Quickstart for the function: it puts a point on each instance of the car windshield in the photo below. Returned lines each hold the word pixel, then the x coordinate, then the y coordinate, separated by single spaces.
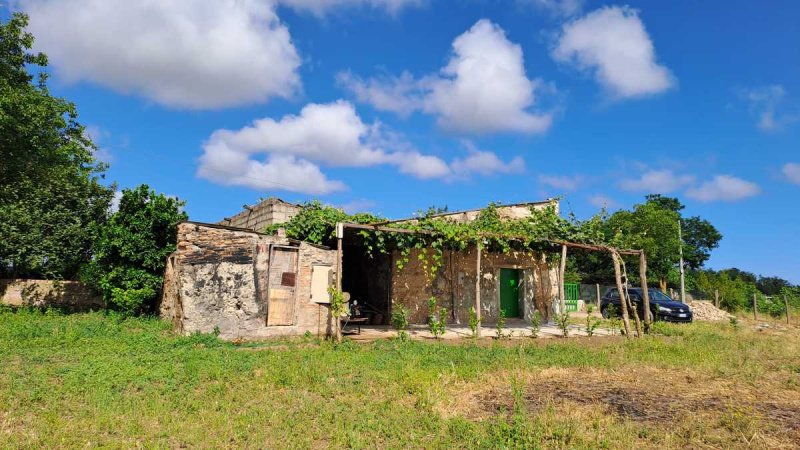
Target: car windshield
pixel 659 296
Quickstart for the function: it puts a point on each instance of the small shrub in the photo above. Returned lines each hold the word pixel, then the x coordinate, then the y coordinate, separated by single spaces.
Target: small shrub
pixel 437 319
pixel 591 322
pixel 734 322
pixel 501 324
pixel 562 322
pixel 400 321
pixel 473 322
pixel 536 324
pixel 614 322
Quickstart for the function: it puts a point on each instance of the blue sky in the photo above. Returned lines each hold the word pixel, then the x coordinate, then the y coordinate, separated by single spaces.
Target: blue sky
pixel 395 105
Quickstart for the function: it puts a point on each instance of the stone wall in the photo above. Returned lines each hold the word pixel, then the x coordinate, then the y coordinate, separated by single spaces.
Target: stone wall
pixel 217 278
pixel 70 295
pixel 266 213
pixel 454 285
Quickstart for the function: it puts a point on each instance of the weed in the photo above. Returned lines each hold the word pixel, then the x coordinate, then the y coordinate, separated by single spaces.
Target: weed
pixel 734 322
pixel 536 324
pixel 562 322
pixel 501 325
pixel 473 322
pixel 437 319
pixel 400 321
pixel 591 322
pixel 614 322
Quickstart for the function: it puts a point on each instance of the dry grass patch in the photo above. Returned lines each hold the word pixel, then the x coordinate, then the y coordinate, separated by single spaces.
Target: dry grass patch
pixel 665 407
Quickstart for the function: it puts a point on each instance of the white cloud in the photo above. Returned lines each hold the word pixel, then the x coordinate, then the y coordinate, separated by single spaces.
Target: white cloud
pixel 287 153
pixel 399 95
pixel 723 188
pixel 482 89
pixel 484 163
pixel 792 172
pixel 192 54
pixel 358 205
pixel 657 182
pixel 764 103
pixel 602 201
pixel 421 166
pixel 613 44
pixel 114 206
pixel 562 8
pixel 562 182
pixel 321 7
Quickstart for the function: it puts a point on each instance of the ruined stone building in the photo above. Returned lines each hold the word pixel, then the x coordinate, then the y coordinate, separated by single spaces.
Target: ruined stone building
pixel 250 285
pixel 258 217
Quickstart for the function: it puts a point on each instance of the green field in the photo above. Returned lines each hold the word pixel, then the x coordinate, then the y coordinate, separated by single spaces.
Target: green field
pixel 97 380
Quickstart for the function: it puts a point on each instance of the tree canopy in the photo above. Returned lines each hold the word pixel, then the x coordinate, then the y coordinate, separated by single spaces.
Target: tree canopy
pixel 51 199
pixel 131 249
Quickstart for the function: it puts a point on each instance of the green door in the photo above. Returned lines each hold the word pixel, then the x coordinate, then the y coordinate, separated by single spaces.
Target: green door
pixel 509 292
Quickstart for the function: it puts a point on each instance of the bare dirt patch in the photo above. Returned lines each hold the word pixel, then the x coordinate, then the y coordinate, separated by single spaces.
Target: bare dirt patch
pixel 664 399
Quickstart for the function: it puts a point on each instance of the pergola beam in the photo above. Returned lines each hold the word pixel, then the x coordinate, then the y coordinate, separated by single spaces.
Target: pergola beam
pixel 593 247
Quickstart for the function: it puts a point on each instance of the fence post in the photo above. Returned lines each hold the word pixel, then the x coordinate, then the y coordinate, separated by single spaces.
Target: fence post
pixel 786 305
pixel 755 307
pixel 598 294
pixel 716 298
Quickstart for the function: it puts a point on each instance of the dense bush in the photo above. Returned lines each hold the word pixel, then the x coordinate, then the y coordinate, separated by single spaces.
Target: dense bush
pixel 132 248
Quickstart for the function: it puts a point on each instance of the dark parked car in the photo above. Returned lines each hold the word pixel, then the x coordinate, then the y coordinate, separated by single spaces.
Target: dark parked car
pixel 661 306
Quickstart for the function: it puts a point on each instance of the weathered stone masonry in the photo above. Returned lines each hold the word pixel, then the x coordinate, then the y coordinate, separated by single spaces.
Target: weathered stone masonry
pixel 454 284
pixel 218 277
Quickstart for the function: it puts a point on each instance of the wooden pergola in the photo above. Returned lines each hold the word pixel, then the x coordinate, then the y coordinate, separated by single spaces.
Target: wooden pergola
pixel 627 307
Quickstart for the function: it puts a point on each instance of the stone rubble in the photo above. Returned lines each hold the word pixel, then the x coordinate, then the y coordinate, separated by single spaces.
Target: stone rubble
pixel 706 311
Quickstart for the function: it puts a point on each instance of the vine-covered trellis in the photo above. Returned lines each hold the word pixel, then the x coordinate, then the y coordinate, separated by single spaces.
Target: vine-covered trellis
pixel 543 231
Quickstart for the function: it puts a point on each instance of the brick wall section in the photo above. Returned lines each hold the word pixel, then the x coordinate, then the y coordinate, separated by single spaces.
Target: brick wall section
pixel 454 285
pixel 266 213
pixel 217 278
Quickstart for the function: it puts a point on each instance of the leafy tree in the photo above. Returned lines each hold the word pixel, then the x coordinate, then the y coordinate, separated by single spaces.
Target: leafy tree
pixel 651 228
pixel 132 248
pixel 700 237
pixel 51 199
pixel 772 285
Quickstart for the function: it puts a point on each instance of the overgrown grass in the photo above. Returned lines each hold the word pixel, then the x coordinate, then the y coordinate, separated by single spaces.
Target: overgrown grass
pixel 101 380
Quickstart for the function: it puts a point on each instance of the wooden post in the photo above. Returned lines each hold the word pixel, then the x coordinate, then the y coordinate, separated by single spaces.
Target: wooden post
pixel 645 290
pixel 334 324
pixel 597 285
pixel 786 305
pixel 622 301
pixel 562 290
pixel 716 298
pixel 755 307
pixel 478 287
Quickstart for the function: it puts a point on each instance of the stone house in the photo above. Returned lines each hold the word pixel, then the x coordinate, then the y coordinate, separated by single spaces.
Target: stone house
pixel 246 284
pixel 250 285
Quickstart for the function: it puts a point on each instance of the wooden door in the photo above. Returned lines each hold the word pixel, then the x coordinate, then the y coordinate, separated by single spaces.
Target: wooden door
pixel 509 292
pixel 282 285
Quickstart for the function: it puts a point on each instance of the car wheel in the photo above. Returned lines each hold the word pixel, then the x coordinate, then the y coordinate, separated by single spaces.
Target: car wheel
pixel 604 313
